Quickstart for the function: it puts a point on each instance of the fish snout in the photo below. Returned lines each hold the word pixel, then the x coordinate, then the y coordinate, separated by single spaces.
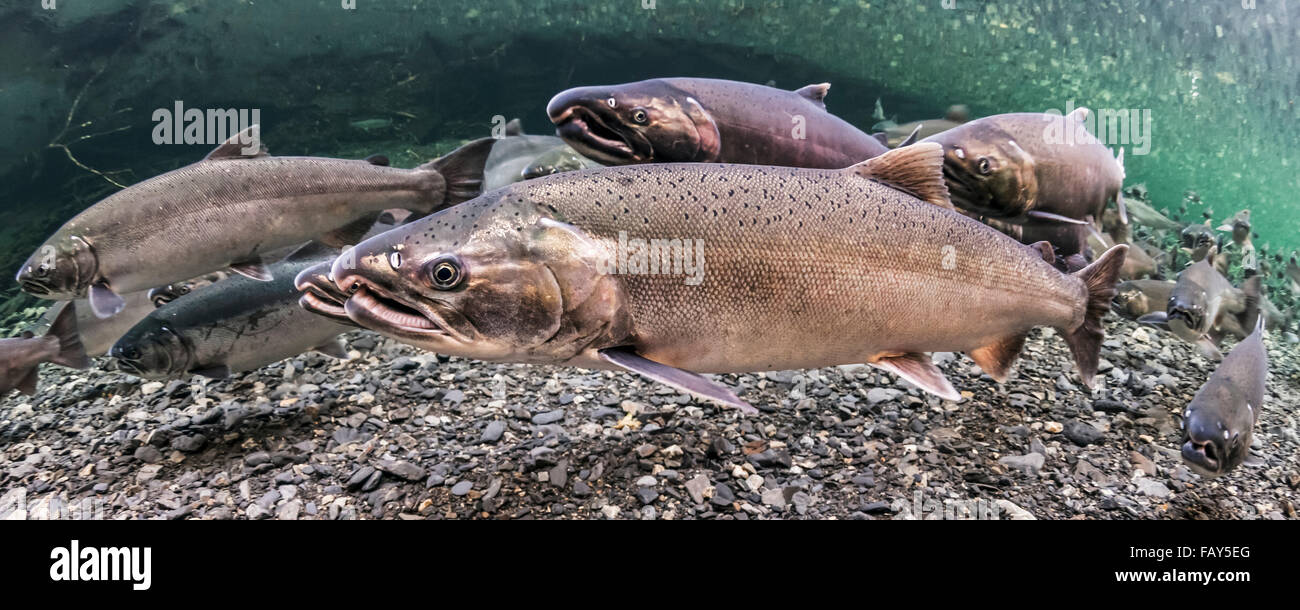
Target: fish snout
pixel 561 107
pixel 1203 454
pixel 1191 314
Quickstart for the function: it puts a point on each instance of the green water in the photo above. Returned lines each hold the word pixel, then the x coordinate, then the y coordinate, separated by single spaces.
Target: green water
pixel 1217 78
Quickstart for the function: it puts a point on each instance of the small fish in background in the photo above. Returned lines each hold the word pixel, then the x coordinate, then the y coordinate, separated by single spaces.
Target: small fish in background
pixel 21 357
pixel 1141 211
pixel 1219 423
pixel 235 325
pixel 1204 308
pixel 228 211
pixel 519 156
pixel 522 274
pixel 1137 298
pixel 1199 243
pixel 1239 226
pixel 1010 167
pixel 371 124
pixel 704 120
pixel 1138 264
pixel 902 135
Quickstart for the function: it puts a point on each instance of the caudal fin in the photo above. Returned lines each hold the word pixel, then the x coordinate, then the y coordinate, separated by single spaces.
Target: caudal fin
pixel 71 353
pixel 1100 279
pixel 463 171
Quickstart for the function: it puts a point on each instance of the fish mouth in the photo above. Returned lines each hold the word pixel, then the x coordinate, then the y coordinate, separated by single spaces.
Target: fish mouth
pixel 34 287
pixel 371 308
pixel 586 131
pixel 1203 456
pixel 1190 317
pixel 320 296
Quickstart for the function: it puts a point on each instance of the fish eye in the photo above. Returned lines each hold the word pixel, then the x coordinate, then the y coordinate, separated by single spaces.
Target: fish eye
pixel 446 273
pixel 640 116
pixel 985 166
pixel 41 270
pixel 395 259
pixel 613 103
pixel 131 353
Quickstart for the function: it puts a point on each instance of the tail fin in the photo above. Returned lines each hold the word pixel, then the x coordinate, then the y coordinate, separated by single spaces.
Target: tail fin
pixel 463 171
pixel 71 353
pixel 1100 278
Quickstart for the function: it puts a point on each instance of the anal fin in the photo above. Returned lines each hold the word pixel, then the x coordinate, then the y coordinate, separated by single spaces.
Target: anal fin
pixel 350 234
pixel 918 369
pixel 332 348
pixel 28 384
pixel 691 383
pixel 996 359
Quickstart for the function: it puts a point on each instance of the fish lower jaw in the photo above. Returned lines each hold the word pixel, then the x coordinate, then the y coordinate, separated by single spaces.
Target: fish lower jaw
pixel 1194 456
pixel 386 316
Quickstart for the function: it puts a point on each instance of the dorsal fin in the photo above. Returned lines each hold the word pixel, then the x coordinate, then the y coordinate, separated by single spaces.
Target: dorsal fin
pixel 379 160
pixel 1079 114
pixel 916 170
pixel 815 93
pixel 233 148
pixel 1043 249
pixel 515 127
pixel 912 138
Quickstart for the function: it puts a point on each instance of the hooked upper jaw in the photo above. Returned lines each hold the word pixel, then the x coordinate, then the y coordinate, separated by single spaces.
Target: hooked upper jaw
pixel 375 307
pixel 320 295
pixel 584 120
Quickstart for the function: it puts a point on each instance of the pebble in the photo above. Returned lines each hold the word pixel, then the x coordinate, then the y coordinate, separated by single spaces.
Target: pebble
pixel 696 486
pixel 1082 434
pixel 461 488
pixel 548 417
pixel 1028 464
pixel 493 431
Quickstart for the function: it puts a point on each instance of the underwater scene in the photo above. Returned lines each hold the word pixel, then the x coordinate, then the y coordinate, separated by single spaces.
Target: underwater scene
pixel 649 259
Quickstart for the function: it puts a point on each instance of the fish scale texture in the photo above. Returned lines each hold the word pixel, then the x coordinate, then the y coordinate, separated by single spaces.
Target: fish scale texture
pixel 805 268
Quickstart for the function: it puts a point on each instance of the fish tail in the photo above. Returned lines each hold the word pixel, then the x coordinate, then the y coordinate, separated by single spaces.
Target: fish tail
pixel 1100 279
pixel 71 353
pixel 462 170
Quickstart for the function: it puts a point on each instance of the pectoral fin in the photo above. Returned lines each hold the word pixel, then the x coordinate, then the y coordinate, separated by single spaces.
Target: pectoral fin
pixel 255 270
pixel 1159 319
pixel 918 369
pixel 1050 217
pixel 691 383
pixel 104 302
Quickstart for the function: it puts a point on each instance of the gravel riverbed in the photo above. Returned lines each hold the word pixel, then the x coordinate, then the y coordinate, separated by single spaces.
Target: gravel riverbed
pixel 397 433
